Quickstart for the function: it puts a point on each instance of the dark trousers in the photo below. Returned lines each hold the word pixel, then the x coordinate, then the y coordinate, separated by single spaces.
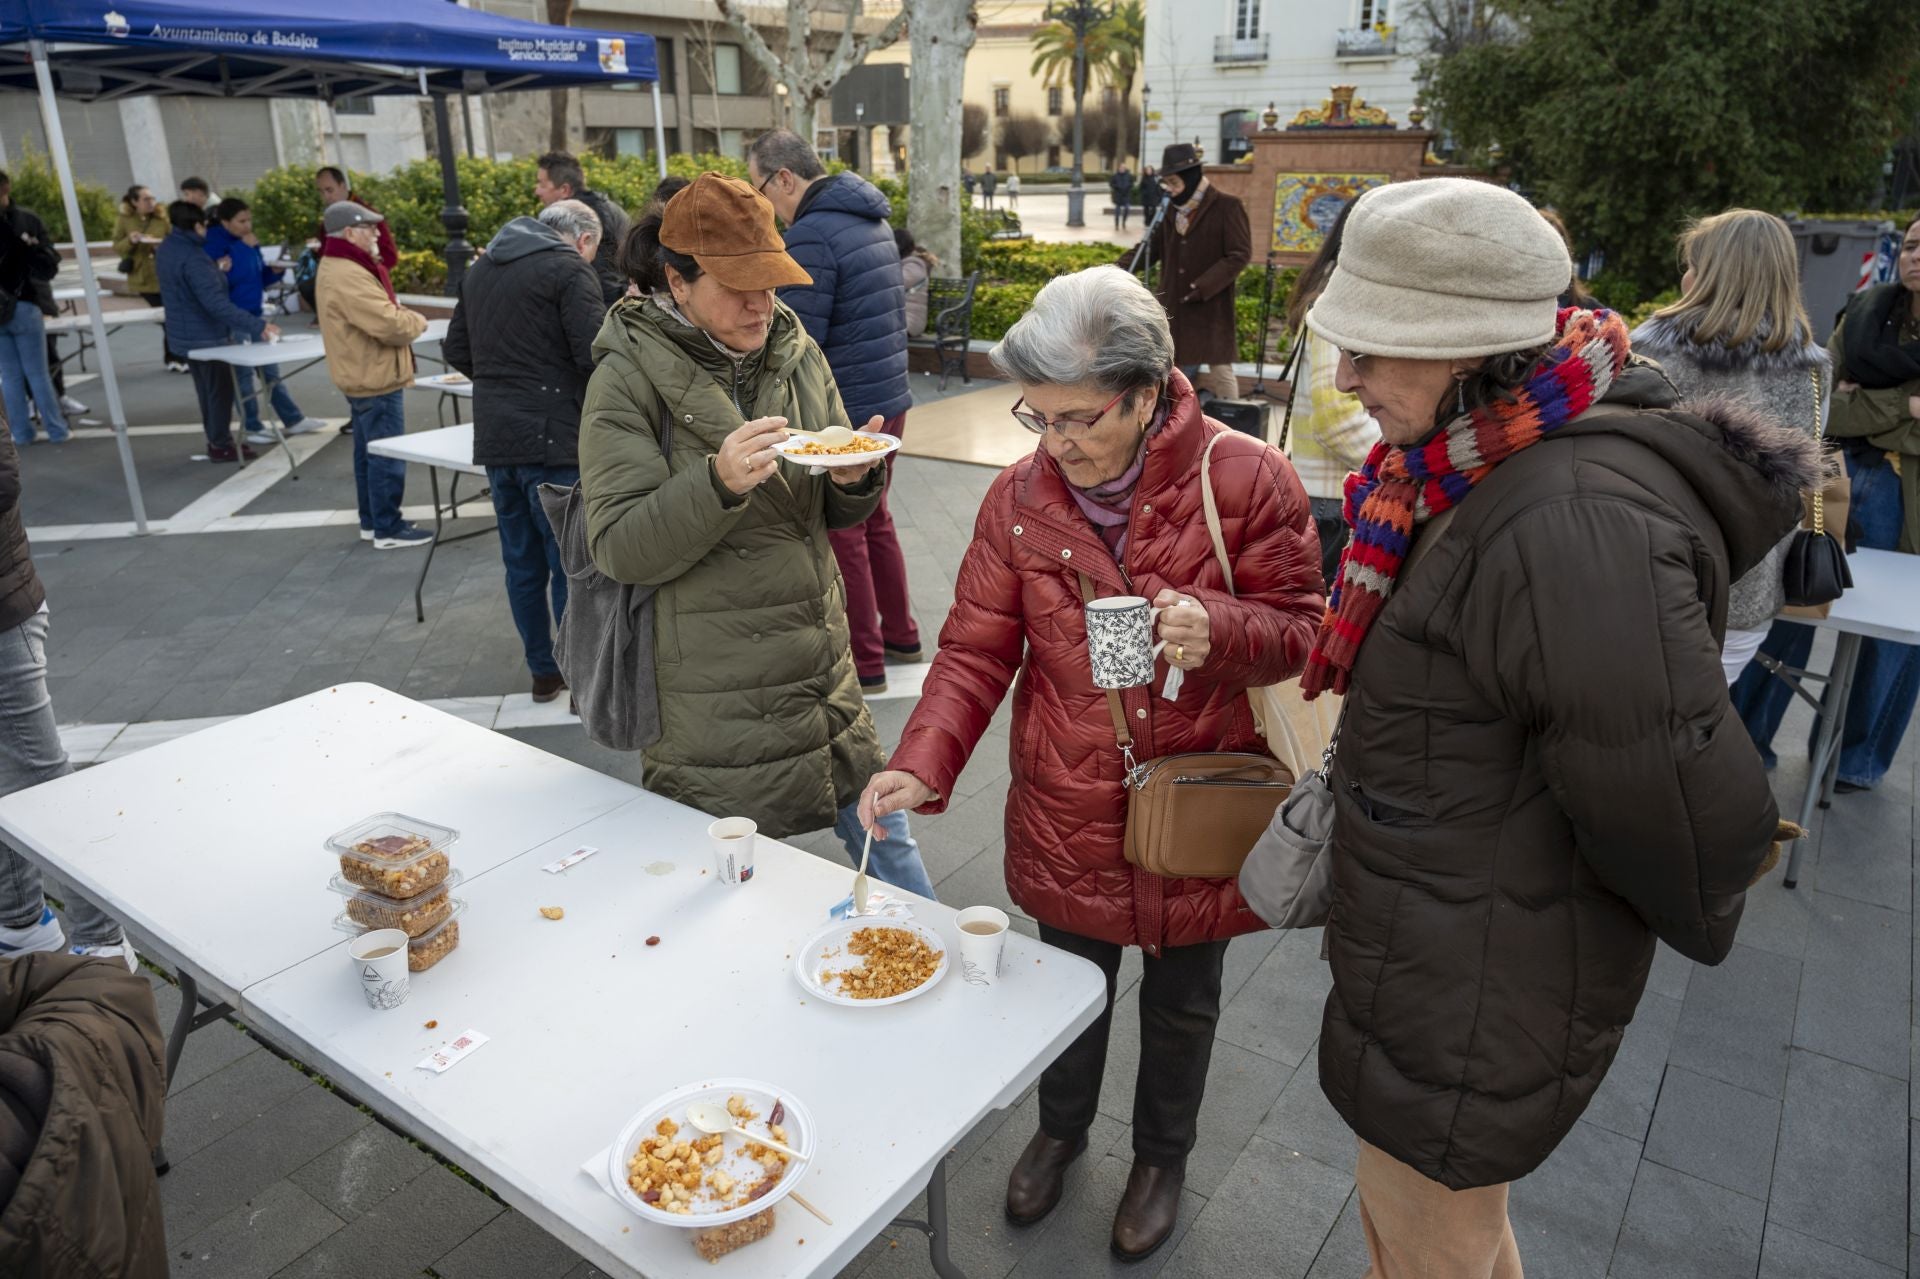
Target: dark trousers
pixel 1333 531
pixel 531 556
pixel 378 482
pixel 166 347
pixel 213 387
pixel 1179 1007
pixel 879 613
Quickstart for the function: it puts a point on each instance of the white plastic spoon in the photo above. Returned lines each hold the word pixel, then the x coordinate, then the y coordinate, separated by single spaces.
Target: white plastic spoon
pixel 832 437
pixel 860 880
pixel 712 1117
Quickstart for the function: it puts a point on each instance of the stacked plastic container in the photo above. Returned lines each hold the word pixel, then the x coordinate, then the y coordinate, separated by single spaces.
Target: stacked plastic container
pixel 397 872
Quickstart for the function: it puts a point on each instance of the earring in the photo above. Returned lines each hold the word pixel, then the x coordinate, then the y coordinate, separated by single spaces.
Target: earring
pixel 1460 397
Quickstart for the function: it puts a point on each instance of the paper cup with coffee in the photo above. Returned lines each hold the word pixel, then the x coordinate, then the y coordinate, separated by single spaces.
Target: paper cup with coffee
pixel 380 961
pixel 1120 641
pixel 732 840
pixel 983 936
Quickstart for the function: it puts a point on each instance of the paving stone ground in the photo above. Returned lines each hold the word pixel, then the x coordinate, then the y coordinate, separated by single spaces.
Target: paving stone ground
pixel 1760 1119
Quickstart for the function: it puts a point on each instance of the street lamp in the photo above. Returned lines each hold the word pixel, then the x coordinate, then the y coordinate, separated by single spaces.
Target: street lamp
pixel 1079 17
pixel 859 135
pixel 1146 93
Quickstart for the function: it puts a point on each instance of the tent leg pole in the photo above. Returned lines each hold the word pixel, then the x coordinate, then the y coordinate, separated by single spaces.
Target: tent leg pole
pixel 659 130
pixel 57 143
pixel 339 148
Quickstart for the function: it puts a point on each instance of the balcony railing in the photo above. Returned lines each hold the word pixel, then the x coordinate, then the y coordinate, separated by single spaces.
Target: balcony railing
pixel 1240 48
pixel 1364 42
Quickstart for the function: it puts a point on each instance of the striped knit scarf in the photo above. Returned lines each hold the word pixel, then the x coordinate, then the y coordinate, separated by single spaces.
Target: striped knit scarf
pixel 1400 489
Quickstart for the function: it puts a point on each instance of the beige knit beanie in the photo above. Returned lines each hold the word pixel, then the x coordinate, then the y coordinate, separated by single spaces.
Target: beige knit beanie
pixel 1442 269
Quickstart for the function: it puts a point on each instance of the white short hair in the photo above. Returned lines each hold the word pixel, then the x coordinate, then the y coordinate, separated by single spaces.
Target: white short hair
pixel 1100 326
pixel 571 219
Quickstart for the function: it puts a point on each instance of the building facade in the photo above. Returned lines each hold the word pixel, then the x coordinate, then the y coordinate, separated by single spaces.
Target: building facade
pixel 1213 67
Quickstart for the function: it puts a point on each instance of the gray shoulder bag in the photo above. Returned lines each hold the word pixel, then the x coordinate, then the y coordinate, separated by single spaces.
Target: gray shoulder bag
pixel 604 646
pixel 1288 877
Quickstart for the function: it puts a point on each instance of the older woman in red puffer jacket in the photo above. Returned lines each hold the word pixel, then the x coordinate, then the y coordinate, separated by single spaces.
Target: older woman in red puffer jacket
pixel 1113 491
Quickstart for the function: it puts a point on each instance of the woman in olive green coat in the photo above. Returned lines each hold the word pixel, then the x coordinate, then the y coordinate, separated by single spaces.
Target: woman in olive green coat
pixel 761 713
pixel 137 233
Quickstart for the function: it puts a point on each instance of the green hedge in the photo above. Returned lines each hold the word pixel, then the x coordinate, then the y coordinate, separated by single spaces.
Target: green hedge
pixel 36 187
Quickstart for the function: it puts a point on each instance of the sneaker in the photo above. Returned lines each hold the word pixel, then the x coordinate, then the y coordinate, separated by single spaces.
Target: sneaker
pixel 261 437
pixel 904 656
pixel 46 935
pixel 306 426
pixel 873 685
pixel 121 950
pixel 404 536
pixel 215 453
pixel 179 366
pixel 346 427
pixel 71 405
pixel 366 535
pixel 548 687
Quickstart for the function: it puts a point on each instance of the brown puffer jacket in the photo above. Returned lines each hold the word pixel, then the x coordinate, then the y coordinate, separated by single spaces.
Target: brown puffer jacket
pixel 83 1084
pixel 1539 773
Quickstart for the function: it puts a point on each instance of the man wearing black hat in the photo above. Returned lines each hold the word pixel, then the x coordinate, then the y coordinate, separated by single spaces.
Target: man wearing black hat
pixel 1201 246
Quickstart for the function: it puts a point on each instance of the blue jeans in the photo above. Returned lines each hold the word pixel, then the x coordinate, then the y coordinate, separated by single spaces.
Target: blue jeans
pixel 378 482
pixel 532 556
pixel 283 404
pixel 1887 682
pixel 23 368
pixel 31 753
pixel 895 859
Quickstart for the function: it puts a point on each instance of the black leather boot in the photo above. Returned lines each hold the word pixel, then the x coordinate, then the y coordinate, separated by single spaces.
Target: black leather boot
pixel 1147 1211
pixel 1034 1185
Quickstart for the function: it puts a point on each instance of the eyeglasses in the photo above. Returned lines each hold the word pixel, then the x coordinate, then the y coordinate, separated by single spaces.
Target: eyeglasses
pixel 1353 357
pixel 762 188
pixel 1067 428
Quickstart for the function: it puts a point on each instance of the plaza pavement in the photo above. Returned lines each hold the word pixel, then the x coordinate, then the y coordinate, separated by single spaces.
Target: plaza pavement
pixel 1759 1121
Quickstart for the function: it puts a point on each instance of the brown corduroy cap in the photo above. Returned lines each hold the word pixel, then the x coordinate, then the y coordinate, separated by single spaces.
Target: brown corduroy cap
pixel 727 227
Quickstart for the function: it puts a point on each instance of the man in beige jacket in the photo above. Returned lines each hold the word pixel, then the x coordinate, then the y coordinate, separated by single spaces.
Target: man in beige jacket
pixel 369 339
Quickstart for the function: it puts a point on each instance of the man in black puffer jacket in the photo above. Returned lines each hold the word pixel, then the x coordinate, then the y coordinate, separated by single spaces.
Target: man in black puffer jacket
pixel 855 311
pixel 561 178
pixel 523 330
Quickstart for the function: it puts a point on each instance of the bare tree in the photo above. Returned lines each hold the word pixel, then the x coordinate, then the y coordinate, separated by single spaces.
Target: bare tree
pixel 700 51
pixel 1023 134
pixel 973 130
pixel 940 37
pixel 808 73
pixel 559 14
pixel 1110 132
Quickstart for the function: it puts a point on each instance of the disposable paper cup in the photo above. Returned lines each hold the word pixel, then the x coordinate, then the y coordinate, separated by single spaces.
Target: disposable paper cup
pixel 732 840
pixel 983 936
pixel 380 961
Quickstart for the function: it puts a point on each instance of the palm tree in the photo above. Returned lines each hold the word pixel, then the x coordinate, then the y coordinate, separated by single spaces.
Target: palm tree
pixel 1114 50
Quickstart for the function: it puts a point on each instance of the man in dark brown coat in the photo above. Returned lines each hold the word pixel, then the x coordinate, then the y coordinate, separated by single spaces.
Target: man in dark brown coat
pixel 1200 247
pixel 83 1093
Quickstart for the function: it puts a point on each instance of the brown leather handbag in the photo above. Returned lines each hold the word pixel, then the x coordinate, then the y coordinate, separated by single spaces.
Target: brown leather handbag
pixel 1195 814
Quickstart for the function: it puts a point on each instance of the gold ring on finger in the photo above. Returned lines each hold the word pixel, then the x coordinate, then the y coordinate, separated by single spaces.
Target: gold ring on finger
pixel 1179 652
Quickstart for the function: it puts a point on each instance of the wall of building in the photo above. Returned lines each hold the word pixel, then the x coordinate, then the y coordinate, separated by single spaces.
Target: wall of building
pixel 1204 60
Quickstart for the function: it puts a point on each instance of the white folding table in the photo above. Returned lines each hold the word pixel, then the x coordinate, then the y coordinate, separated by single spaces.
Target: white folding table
pixel 1883 604
pixel 303 345
pixel 586 1021
pixel 450 393
pixel 448 449
pixel 219 875
pixel 79 324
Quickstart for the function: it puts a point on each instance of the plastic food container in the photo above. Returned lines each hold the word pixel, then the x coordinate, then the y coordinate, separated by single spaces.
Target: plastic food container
pixel 412 915
pixel 393 854
pixel 431 946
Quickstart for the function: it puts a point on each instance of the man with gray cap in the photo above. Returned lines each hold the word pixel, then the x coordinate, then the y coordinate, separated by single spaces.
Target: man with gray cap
pixel 523 330
pixel 369 342
pixel 1201 246
pixel 1538 773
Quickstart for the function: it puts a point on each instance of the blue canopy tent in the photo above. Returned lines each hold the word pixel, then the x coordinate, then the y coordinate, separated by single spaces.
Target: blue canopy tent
pixel 103 49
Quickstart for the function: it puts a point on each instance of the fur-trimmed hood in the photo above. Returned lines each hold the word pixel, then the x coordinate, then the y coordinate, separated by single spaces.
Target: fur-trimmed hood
pixel 1748 469
pixel 1669 337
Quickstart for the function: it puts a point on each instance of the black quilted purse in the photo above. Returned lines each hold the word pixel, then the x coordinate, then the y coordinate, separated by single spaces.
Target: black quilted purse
pixel 1815 572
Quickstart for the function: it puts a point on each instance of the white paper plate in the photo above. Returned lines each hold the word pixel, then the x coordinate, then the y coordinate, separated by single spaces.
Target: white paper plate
pixel 801 1135
pixel 787 446
pixel 447 379
pixel 828 949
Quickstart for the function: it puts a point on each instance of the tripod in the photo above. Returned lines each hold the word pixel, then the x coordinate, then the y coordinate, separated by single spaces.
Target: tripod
pixel 1144 252
pixel 1266 318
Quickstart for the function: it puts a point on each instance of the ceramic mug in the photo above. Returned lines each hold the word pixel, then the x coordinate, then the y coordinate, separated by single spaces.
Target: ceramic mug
pixel 1120 641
